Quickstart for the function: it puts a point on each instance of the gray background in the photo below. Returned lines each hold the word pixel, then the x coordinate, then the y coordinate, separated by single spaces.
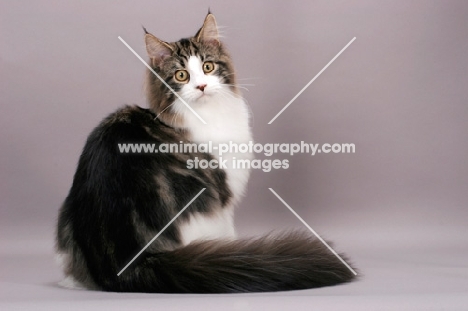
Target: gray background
pixel 397 207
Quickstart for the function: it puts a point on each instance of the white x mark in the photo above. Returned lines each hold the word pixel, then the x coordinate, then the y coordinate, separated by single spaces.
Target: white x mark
pixel 313 231
pixel 310 82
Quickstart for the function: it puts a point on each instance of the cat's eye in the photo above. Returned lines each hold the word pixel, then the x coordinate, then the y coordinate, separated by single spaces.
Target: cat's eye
pixel 208 67
pixel 181 75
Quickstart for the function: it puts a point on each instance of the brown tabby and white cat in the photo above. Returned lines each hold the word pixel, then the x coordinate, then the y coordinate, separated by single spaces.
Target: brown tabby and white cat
pixel 118 202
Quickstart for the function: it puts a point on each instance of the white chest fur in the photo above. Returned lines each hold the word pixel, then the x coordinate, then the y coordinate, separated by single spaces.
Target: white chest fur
pixel 227 120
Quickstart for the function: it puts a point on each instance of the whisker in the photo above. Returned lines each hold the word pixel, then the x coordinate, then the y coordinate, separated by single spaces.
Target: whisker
pixel 238 79
pixel 250 112
pixel 164 110
pixel 248 78
pixel 227 75
pixel 237 85
pixel 226 93
pixel 174 118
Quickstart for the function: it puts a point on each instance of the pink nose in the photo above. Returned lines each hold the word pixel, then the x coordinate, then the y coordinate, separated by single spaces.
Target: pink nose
pixel 201 87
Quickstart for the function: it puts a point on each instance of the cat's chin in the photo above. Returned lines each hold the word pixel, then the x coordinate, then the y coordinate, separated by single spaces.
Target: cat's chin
pixel 203 98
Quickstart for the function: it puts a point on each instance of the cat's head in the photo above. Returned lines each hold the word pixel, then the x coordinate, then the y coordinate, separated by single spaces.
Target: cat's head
pixel 197 68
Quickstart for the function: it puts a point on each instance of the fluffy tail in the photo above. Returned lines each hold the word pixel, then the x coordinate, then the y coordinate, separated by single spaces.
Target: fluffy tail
pixel 289 261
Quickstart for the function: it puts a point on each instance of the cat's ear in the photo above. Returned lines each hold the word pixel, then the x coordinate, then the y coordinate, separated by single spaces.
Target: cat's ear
pixel 157 49
pixel 209 31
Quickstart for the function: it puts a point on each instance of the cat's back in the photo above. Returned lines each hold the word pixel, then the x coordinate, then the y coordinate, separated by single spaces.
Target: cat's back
pixel 127 135
pixel 130 125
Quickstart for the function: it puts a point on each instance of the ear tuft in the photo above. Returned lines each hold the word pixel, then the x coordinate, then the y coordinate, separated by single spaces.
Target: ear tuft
pixel 209 30
pixel 157 50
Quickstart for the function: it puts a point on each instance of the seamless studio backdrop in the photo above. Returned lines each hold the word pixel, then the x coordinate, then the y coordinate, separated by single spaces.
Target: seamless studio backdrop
pixel 397 206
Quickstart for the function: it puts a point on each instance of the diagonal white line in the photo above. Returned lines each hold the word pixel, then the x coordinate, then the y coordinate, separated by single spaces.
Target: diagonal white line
pixel 160 232
pixel 162 80
pixel 313 231
pixel 313 79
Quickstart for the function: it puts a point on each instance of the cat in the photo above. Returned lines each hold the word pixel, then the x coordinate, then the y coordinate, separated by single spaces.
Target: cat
pixel 118 202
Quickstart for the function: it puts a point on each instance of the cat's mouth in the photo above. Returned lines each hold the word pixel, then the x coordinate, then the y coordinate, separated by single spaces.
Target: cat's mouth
pixel 202 96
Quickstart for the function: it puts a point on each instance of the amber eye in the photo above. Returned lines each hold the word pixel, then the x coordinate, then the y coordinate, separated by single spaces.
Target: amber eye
pixel 208 67
pixel 181 75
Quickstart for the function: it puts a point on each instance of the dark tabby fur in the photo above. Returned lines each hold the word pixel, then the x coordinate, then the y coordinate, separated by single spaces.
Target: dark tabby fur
pixel 119 202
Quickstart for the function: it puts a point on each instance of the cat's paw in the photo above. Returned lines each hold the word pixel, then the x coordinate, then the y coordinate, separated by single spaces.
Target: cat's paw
pixel 70 283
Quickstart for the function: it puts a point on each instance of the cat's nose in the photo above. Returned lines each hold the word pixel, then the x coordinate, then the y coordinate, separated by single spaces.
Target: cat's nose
pixel 201 87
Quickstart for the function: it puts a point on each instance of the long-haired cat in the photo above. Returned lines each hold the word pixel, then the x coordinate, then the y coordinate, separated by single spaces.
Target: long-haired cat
pixel 118 202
